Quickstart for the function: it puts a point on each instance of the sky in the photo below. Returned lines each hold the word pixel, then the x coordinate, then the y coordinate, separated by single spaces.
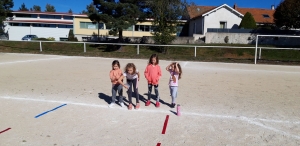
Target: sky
pixel 78 5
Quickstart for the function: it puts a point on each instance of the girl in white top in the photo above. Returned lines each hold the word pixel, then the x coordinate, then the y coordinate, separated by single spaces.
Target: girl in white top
pixel 175 74
pixel 133 76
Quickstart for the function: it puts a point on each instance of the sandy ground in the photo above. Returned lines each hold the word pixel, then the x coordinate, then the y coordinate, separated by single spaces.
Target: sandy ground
pixel 222 104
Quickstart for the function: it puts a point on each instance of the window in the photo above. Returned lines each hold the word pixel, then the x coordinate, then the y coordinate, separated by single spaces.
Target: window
pixel 44 25
pixel 24 15
pixel 68 17
pixel 65 26
pixel 20 24
pixel 50 16
pixel 146 28
pixel 90 25
pixel 266 16
pixel 223 24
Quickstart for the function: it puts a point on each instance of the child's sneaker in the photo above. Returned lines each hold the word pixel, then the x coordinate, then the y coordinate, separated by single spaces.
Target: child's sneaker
pixel 130 107
pixel 173 105
pixel 148 103
pixel 111 105
pixel 122 104
pixel 137 106
pixel 157 104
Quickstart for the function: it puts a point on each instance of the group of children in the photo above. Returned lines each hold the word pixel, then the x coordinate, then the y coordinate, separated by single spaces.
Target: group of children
pixel 152 74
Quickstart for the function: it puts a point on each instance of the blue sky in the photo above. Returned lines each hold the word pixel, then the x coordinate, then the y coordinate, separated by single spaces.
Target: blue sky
pixel 79 5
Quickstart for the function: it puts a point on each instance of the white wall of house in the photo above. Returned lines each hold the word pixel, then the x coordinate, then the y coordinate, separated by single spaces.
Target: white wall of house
pixel 222 15
pixel 18 32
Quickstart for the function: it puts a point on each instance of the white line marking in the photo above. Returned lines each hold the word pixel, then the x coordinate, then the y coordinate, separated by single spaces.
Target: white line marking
pixel 33 60
pixel 240 118
pixel 185 63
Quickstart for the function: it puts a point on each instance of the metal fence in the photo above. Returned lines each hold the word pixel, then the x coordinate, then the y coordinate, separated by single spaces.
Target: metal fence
pixel 257 52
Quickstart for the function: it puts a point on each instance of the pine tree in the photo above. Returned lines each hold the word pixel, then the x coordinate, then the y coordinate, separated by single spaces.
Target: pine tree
pixel 50 8
pixel 36 8
pixel 5 11
pixel 70 11
pixel 118 15
pixel 23 8
pixel 248 22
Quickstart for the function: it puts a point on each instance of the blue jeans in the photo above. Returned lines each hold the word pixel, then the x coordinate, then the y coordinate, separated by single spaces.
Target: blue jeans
pixel 117 88
pixel 173 92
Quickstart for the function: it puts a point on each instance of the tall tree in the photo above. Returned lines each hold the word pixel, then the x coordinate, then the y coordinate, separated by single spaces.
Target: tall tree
pixel 23 8
pixel 89 9
pixel 36 8
pixel 166 15
pixel 287 14
pixel 118 15
pixel 5 11
pixel 248 22
pixel 70 11
pixel 50 8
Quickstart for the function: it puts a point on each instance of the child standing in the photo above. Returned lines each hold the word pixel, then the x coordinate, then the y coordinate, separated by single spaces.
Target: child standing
pixel 114 75
pixel 152 74
pixel 133 76
pixel 175 74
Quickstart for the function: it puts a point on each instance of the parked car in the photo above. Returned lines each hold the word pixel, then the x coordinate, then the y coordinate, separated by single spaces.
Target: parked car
pixel 29 37
pixel 3 36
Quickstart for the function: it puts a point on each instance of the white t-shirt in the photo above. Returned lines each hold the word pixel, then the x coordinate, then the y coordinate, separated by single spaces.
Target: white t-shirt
pixel 176 75
pixel 131 76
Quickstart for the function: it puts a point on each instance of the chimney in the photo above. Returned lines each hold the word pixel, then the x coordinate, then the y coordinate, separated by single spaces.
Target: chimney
pixel 235 6
pixel 272 7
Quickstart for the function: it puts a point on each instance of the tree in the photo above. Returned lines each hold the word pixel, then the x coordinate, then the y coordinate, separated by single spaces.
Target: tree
pixel 248 22
pixel 71 36
pixel 5 11
pixel 50 8
pixel 118 15
pixel 70 11
pixel 89 9
pixel 23 8
pixel 166 15
pixel 287 14
pixel 35 8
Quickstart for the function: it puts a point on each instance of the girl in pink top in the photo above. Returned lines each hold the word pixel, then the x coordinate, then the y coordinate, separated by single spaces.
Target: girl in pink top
pixel 153 74
pixel 175 74
pixel 114 75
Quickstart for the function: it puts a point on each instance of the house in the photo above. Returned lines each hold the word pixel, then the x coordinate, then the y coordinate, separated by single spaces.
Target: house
pixel 42 24
pixel 85 30
pixel 224 17
pixel 203 17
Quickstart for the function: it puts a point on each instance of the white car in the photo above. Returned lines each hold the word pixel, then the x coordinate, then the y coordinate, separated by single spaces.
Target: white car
pixel 29 37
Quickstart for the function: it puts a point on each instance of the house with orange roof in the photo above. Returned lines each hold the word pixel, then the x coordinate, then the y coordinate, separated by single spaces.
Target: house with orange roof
pixel 223 17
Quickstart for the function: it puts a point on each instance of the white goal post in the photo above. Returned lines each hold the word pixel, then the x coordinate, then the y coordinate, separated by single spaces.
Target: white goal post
pixel 256 43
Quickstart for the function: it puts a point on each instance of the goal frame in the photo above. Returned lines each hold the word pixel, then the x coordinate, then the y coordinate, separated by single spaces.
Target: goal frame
pixel 256 43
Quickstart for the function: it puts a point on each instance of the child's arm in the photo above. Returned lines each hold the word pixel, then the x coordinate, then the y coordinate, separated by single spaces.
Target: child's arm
pixel 120 82
pixel 168 67
pixel 111 76
pixel 138 76
pixel 146 73
pixel 177 69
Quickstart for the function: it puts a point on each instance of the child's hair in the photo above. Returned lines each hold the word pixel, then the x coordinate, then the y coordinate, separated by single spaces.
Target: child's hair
pixel 180 70
pixel 130 65
pixel 153 56
pixel 115 62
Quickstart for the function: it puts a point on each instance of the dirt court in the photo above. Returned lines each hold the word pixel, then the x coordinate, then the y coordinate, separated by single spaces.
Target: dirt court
pixel 222 104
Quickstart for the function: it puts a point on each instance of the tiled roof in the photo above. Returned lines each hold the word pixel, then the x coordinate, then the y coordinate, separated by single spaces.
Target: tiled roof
pixel 258 14
pixel 36 12
pixel 195 11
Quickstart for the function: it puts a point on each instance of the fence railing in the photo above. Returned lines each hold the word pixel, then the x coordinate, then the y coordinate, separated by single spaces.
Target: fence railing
pixel 257 53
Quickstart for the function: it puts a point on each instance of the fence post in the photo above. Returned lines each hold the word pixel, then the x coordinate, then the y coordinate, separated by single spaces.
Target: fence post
pixel 41 49
pixel 259 56
pixel 138 50
pixel 84 47
pixel 195 51
pixel 255 55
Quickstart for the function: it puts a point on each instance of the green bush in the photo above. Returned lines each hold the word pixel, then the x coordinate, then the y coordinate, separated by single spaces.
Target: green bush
pixel 248 22
pixel 51 39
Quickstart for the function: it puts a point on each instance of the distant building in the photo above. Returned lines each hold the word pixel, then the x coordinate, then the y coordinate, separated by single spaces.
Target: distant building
pixel 42 24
